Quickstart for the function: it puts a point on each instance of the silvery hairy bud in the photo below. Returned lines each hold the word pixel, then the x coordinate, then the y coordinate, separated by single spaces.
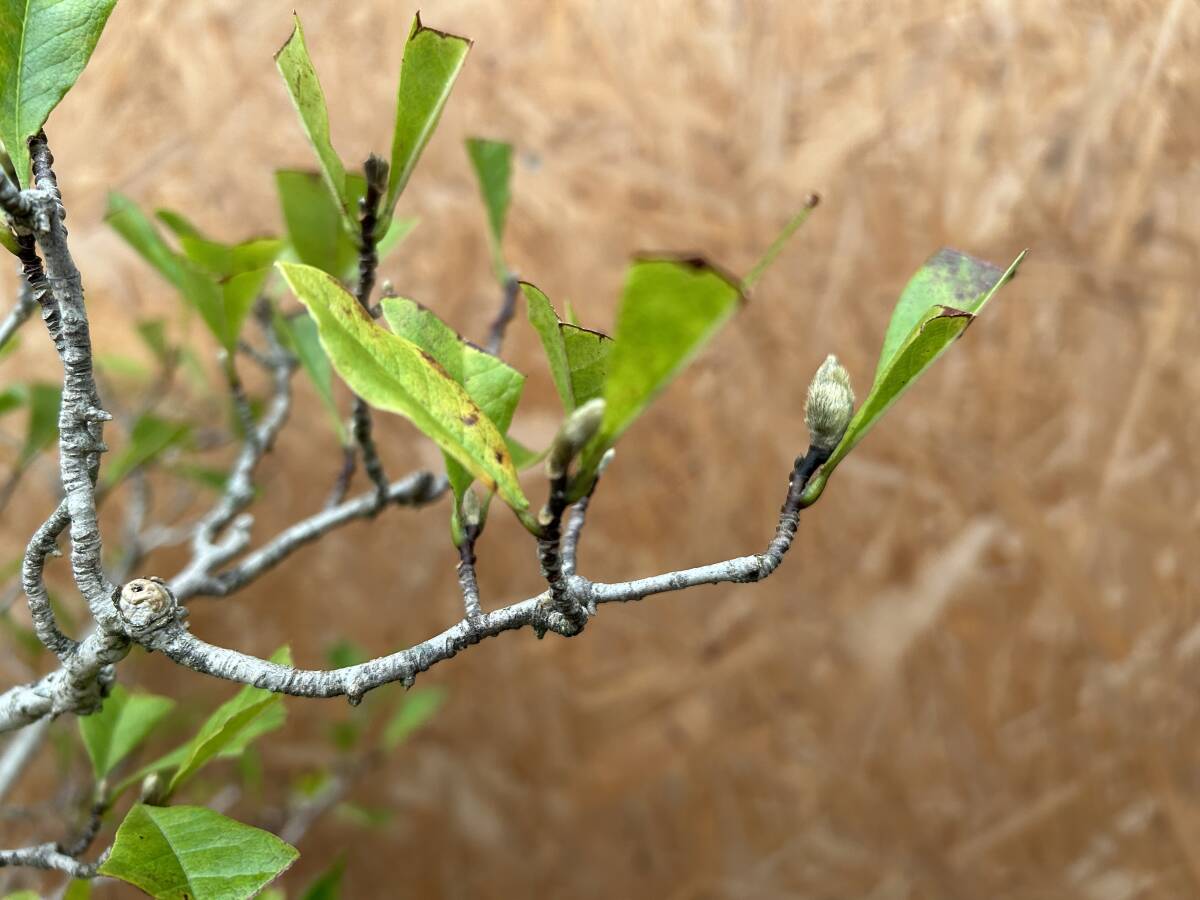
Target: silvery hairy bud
pixel 830 404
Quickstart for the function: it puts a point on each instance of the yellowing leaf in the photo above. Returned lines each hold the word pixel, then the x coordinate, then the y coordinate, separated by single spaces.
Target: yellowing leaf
pixel 394 374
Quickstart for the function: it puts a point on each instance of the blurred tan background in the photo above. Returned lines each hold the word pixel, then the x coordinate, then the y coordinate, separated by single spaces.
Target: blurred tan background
pixel 977 673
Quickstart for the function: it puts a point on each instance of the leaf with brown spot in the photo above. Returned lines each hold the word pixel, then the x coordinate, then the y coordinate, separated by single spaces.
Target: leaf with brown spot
pixel 393 373
pixel 495 386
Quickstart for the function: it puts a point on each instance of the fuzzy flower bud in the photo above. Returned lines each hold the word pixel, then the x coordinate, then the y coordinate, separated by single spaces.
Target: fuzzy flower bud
pixel 830 404
pixel 576 430
pixel 472 511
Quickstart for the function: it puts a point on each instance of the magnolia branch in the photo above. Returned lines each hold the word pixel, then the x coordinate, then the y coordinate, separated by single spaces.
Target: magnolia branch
pixel 170 636
pixel 50 857
pixel 150 612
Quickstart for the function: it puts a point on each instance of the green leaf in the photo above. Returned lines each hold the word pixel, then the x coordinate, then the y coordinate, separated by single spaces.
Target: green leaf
pixel 238 294
pixel 11 398
pixel 948 278
pixel 8 240
pixel 78 889
pixel 394 374
pixel 305 90
pixel 432 61
pixel 223 300
pixel 251 713
pixel 299 335
pixel 492 161
pixel 522 457
pixel 588 352
pixel 23 895
pixel 149 437
pixel 221 729
pixel 129 222
pixel 44 45
pixel 180 226
pixel 226 260
pixel 489 382
pixel 314 223
pixel 195 853
pixel 929 337
pixel 227 734
pixel 42 429
pixel 122 724
pixel 211 478
pixel 669 310
pixel 327 885
pixel 578 356
pixel 416 709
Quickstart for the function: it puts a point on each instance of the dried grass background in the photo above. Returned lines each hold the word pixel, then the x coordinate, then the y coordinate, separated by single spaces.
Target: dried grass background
pixel 977 674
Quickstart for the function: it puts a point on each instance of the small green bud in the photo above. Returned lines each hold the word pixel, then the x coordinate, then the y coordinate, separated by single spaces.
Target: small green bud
pixel 830 404
pixel 576 430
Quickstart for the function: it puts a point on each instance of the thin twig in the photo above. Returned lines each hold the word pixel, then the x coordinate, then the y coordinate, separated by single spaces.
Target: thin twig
pixel 20 751
pixel 550 557
pixel 466 571
pixel 79 844
pixel 19 314
pixel 375 170
pixel 341 486
pixel 198 578
pixel 508 308
pixel 44 543
pixel 211 545
pixel 578 518
pixel 49 857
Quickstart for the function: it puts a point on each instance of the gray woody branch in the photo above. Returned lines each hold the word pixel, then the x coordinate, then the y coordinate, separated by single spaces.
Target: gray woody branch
pixel 198 579
pixel 167 632
pixel 49 856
